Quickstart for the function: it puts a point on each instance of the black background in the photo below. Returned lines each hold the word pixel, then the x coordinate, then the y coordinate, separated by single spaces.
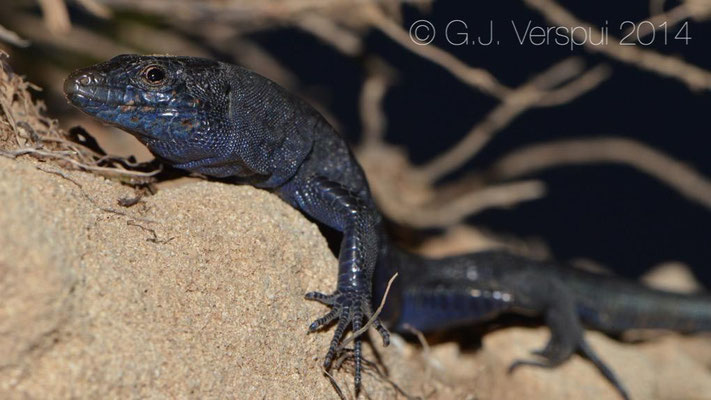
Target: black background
pixel 612 214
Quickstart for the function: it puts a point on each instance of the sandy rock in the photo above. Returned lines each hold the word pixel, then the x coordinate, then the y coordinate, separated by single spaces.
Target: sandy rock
pixel 197 292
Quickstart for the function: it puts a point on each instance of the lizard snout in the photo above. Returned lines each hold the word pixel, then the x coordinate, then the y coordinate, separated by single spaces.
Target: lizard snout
pixel 81 82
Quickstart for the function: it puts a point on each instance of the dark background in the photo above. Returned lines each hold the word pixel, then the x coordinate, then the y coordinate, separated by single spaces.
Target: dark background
pixel 612 214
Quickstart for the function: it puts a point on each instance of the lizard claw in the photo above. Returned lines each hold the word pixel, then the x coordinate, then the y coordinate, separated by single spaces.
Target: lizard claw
pixel 351 309
pixel 323 321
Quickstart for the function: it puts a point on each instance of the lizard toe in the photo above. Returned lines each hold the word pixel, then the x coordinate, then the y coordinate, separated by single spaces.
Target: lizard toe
pixel 327 299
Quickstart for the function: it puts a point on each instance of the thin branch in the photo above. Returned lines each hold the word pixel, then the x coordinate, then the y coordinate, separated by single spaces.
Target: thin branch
pixel 694 77
pixel 90 199
pixel 586 82
pixel 66 156
pixel 494 196
pixel 370 105
pixel 674 173
pixel 98 10
pixel 13 38
pixel 666 19
pixel 380 374
pixel 420 337
pixel 79 40
pixel 329 32
pixel 334 384
pixel 475 77
pixel 372 319
pixel 531 94
pixel 699 10
pixel 656 7
pixel 239 11
pixel 56 16
pixel 156 40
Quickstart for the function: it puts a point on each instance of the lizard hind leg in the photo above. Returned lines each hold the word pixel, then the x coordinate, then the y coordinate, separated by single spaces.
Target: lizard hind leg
pixel 567 337
pixel 566 334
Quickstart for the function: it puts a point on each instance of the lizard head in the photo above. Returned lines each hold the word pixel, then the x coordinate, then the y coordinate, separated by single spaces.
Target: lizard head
pixel 174 105
pixel 200 115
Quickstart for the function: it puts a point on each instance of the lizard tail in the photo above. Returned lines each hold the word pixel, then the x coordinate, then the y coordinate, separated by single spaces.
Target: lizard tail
pixel 624 305
pixel 436 294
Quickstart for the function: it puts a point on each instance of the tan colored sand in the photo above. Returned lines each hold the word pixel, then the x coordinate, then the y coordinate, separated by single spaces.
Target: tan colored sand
pixel 197 292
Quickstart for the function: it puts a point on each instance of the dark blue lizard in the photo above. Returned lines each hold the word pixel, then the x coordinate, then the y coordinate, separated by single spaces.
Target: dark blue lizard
pixel 224 121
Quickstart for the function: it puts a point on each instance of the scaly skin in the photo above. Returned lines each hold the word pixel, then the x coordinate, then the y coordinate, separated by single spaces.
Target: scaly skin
pixel 222 120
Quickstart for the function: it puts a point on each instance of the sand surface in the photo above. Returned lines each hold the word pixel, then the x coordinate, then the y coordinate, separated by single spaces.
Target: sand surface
pixel 197 292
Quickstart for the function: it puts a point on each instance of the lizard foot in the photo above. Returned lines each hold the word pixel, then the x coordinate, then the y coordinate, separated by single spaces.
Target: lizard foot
pixel 557 352
pixel 350 309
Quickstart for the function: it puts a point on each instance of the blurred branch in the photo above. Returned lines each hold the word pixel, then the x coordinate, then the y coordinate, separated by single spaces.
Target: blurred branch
pixel 373 116
pixel 328 31
pixel 674 173
pixel 56 16
pixel 13 38
pixel 155 40
pixel 443 214
pixel 227 39
pixel 95 8
pixel 475 77
pixel 240 10
pixel 78 39
pixel 694 77
pixel 531 94
pixel 662 19
pixel 656 7
pixel 699 10
pixel 586 82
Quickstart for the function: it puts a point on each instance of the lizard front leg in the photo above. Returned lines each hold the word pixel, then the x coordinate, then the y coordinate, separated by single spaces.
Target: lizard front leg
pixel 333 204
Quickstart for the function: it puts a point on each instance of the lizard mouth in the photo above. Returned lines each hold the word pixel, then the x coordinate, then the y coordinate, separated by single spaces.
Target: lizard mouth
pixel 89 89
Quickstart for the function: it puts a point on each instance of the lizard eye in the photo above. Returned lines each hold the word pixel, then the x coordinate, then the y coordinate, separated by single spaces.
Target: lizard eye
pixel 153 74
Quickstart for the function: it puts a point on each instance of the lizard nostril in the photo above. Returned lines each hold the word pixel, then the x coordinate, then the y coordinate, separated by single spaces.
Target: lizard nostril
pixel 81 81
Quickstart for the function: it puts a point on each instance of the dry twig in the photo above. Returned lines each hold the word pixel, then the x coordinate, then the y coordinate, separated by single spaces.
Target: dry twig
pixel 373 117
pixel 694 77
pixel 78 39
pixel 531 94
pixel 328 31
pixel 475 77
pixel 56 16
pixel 677 175
pixel 372 319
pixel 13 38
pixel 447 213
pixel 30 132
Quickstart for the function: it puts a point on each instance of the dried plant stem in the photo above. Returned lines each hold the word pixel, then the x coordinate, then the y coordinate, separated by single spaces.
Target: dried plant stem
pixel 447 213
pixel 371 103
pixel 694 77
pixel 13 38
pixel 476 77
pixel 674 173
pixel 372 319
pixel 534 93
pixel 56 16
